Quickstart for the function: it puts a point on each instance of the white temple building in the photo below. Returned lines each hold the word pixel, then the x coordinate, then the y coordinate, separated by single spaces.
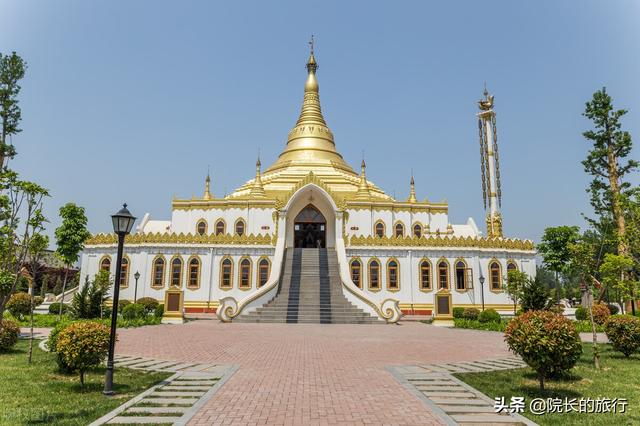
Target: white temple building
pixel 310 239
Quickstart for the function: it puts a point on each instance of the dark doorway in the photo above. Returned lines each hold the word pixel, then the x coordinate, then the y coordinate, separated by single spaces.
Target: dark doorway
pixel 310 228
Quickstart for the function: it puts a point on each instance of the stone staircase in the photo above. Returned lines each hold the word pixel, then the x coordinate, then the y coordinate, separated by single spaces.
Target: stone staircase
pixel 310 291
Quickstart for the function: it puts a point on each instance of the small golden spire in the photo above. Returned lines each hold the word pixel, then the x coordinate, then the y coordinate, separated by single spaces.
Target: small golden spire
pixel 412 193
pixel 363 187
pixel 207 187
pixel 257 190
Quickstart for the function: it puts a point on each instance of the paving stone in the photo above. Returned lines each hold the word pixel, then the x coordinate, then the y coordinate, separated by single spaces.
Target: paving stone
pixel 435 368
pixel 179 366
pixel 138 420
pixel 458 401
pixel 448 394
pixel 132 361
pixel 147 365
pixel 176 394
pixel 177 401
pixel 166 364
pixel 157 410
pixel 455 388
pixel 471 367
pixel 468 409
pixel 483 418
pixel 185 388
pixel 193 382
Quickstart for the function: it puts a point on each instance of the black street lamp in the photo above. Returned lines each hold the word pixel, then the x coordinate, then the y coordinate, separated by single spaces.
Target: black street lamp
pixel 135 291
pixel 122 224
pixel 482 290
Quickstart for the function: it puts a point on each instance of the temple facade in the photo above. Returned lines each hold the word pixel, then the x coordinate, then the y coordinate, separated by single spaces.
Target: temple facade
pixel 228 254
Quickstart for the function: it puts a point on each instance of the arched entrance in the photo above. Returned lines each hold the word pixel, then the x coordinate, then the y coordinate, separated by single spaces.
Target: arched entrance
pixel 310 228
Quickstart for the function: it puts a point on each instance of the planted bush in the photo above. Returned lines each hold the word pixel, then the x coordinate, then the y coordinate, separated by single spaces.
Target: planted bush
pixel 548 342
pixel 600 313
pixel 582 313
pixel 83 345
pixel 122 304
pixel 54 308
pixel 8 334
pixel 613 309
pixel 133 311
pixel 159 311
pixel 19 305
pixel 150 304
pixel 470 313
pixel 489 315
pixel 623 331
pixel 458 312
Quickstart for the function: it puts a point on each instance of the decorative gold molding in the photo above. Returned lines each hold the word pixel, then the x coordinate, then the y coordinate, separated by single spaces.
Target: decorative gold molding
pixel 443 241
pixel 221 281
pixel 361 270
pixel 499 289
pixel 174 258
pixel 250 284
pixel 188 280
pixel 374 289
pixel 153 272
pixel 421 287
pixel 388 270
pixel 172 238
pixel 258 263
pixel 464 275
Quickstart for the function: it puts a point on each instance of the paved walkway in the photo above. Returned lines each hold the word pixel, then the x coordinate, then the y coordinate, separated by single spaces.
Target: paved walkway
pixel 312 374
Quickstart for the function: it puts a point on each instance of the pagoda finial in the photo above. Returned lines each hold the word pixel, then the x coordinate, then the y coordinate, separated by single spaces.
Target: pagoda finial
pixel 257 190
pixel 412 192
pixel 207 186
pixel 363 187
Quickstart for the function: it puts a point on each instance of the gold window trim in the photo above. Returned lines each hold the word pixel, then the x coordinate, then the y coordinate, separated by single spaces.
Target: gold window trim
pixel 153 271
pixel 399 222
pixel 351 262
pixel 126 275
pixel 220 285
pixel 374 259
pixel 244 227
pixel 464 275
pixel 514 263
pixel 189 286
pixel 176 257
pixel 262 258
pixel 430 267
pixel 250 285
pixel 413 227
pixel 388 268
pixel 495 261
pixel 384 228
pixel 448 272
pixel 102 259
pixel 206 226
pixel 224 226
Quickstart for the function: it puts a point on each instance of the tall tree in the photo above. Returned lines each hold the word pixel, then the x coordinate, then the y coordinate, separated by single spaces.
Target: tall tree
pixel 12 69
pixel 38 244
pixel 607 162
pixel 70 238
pixel 555 250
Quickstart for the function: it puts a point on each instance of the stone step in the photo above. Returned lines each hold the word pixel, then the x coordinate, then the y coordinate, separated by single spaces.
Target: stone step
pixel 170 401
pixel 484 418
pixel 157 410
pixel 140 420
pixel 453 409
pixel 185 387
pixel 179 394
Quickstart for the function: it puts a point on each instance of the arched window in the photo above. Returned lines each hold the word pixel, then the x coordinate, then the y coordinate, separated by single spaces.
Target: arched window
pixel 264 267
pixel 495 278
pixel 417 230
pixel 398 230
pixel 393 275
pixel 220 227
pixel 443 275
pixel 240 227
pixel 425 275
pixel 245 273
pixel 226 273
pixel 374 275
pixel 157 280
pixel 511 266
pixel 176 272
pixel 194 273
pixel 201 227
pixel 461 275
pixel 356 269
pixel 105 264
pixel 124 272
pixel 379 229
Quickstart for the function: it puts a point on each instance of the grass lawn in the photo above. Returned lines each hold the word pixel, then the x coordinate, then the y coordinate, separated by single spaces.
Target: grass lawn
pixel 51 320
pixel 38 394
pixel 619 378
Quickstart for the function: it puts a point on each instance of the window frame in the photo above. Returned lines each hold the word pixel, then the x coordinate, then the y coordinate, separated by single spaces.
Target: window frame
pixel 153 271
pixel 171 267
pixel 490 268
pixel 104 258
pixel 395 229
pixel 375 229
pixel 447 268
pixel 249 285
pixel 359 267
pixel 388 268
pixel 464 269
pixel 189 271
pixel 260 263
pixel 244 227
pixel 420 276
pixel 221 280
pixel 202 221
pixel 413 230
pixel 377 261
pixel 224 226
pixel 127 260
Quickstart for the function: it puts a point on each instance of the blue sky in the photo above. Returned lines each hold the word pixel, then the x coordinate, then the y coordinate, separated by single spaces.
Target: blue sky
pixel 131 100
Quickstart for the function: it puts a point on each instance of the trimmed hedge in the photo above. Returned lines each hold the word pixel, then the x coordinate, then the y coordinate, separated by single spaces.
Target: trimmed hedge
pixel 623 331
pixel 19 305
pixel 150 304
pixel 600 312
pixel 489 315
pixel 122 304
pixel 9 333
pixel 82 345
pixel 582 313
pixel 134 311
pixel 54 308
pixel 548 342
pixel 477 325
pixel 159 311
pixel 470 313
pixel 458 312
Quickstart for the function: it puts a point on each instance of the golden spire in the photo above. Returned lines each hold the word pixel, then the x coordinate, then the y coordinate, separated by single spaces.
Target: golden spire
pixel 310 142
pixel 412 193
pixel 207 187
pixel 257 190
pixel 363 187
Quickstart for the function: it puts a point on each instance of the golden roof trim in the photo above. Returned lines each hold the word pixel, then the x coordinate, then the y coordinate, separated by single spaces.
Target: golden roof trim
pixel 181 238
pixel 446 241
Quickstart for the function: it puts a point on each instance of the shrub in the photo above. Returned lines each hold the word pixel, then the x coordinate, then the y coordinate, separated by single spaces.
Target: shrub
pixel 159 311
pixel 477 325
pixel 557 309
pixel 133 311
pixel 122 304
pixel 9 331
pixel 37 300
pixel 82 345
pixel 19 305
pixel 54 308
pixel 535 295
pixel 600 312
pixel 470 313
pixel 613 309
pixel 581 313
pixel 623 331
pixel 88 302
pixel 547 342
pixel 489 315
pixel 458 312
pixel 150 304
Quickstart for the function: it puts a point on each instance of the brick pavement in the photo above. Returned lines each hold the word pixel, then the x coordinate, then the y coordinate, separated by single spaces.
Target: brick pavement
pixel 311 374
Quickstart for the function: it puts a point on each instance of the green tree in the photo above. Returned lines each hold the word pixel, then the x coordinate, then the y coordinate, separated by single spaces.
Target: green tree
pixel 555 250
pixel 12 70
pixel 608 164
pixel 70 238
pixel 38 244
pixel 615 271
pixel 535 295
pixel 516 281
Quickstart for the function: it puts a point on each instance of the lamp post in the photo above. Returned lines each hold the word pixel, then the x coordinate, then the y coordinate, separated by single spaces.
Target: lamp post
pixel 122 224
pixel 482 290
pixel 135 291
